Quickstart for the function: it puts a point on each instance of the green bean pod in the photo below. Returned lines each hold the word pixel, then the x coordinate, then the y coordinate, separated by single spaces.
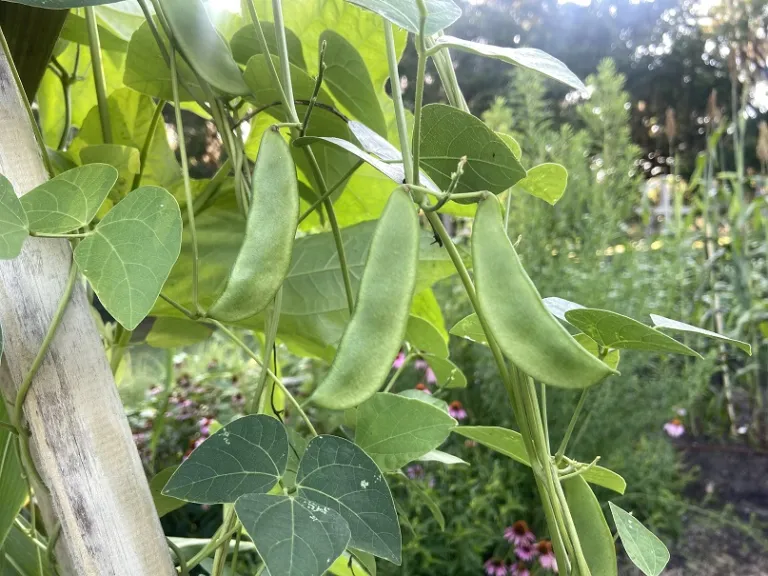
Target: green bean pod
pixel 377 327
pixel 265 255
pixel 594 534
pixel 525 330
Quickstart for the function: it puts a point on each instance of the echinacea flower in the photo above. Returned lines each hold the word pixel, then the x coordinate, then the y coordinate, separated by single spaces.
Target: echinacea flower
pixel 519 569
pixel 495 567
pixel 430 376
pixel 399 361
pixel 423 388
pixel 674 428
pixel 519 533
pixel 526 551
pixel 456 410
pixel 415 472
pixel 420 364
pixel 546 555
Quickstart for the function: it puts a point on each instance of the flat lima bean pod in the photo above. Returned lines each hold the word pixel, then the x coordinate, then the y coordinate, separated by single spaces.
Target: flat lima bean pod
pixel 518 319
pixel 265 255
pixel 377 327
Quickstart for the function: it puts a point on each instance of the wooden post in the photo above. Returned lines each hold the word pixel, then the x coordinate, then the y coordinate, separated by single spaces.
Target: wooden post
pixel 80 437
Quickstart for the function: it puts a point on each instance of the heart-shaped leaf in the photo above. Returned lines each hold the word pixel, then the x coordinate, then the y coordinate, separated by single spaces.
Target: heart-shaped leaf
pixel 245 44
pixel 336 473
pixel 405 13
pixel 611 358
pixel 545 181
pixel 530 58
pixel 395 430
pixel 246 456
pixel 511 143
pixel 559 306
pixel 131 252
pixel 470 328
pixel 164 504
pixel 425 336
pixel 642 546
pixel 293 536
pixel 70 200
pixel 661 322
pixel 14 226
pixel 125 159
pixel 448 375
pixel 427 397
pixel 614 330
pixel 449 134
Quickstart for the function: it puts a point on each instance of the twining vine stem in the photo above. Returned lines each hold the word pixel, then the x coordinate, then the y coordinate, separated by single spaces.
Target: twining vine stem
pixel 98 74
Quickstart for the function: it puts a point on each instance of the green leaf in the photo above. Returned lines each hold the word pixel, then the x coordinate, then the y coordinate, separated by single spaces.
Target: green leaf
pixel 395 430
pixel 204 49
pixel 470 329
pixel 130 253
pixel 14 226
pixel 164 504
pixel 13 486
pixel 335 473
pixel 60 4
pixel 426 397
pixel 352 565
pixel 642 546
pixel 530 58
pixel 245 45
pixel 511 144
pixel 447 373
pixel 661 322
pixel 22 553
pixel 350 83
pixel 594 534
pixel 76 30
pixel 70 200
pixel 614 330
pixel 297 445
pixel 293 536
pixel 611 358
pixel 448 134
pixel 125 159
pixel 429 502
pixel 176 333
pixel 424 336
pixel 405 13
pixel 442 458
pixel 264 93
pixel 510 443
pixel 246 456
pixel 545 181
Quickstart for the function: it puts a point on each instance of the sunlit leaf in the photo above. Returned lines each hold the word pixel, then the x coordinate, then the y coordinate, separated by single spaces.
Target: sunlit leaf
pixel 511 144
pixel 424 336
pixel 612 356
pixel 246 456
pixel 642 546
pixel 442 458
pixel 125 159
pixel 336 473
pixel 559 306
pixel 14 226
pixel 405 13
pixel 59 4
pixel 545 181
pixel 130 253
pixel 661 322
pixel 13 485
pixel 470 328
pixel 244 44
pixel 176 332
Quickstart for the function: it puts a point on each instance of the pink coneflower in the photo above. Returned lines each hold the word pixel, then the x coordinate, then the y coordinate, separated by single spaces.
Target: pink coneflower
pixel 519 569
pixel 519 533
pixel 415 472
pixel 546 555
pixel 526 551
pixel 496 567
pixel 674 428
pixel 420 364
pixel 430 376
pixel 456 410
pixel 205 426
pixel 423 388
pixel 399 361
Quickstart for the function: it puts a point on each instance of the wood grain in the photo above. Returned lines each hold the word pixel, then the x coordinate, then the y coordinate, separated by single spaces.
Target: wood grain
pixel 80 436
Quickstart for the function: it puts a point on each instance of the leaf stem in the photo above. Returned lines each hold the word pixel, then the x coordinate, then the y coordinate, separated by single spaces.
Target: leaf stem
pixel 183 569
pixel 98 74
pixel 156 115
pixel 9 428
pixel 236 549
pixel 571 426
pixel 212 545
pixel 68 235
pixel 421 69
pixel 330 191
pixel 398 372
pixel 187 185
pixel 122 338
pixel 271 321
pixel 397 100
pixel 285 63
pixel 315 91
pixel 220 558
pixel 21 394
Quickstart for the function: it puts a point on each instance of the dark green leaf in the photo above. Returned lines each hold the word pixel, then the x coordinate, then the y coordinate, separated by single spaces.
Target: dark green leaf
pixel 511 444
pixel 424 336
pixel 164 504
pixel 70 200
pixel 350 83
pixel 405 13
pixel 14 226
pixel 661 322
pixel 613 330
pixel 13 486
pixel 297 446
pixel 395 430
pixel 642 546
pixel 293 536
pixel 530 58
pixel 176 333
pixel 545 181
pixel 130 253
pixel 204 49
pixel 470 328
pixel 336 473
pixel 245 45
pixel 448 134
pixel 246 456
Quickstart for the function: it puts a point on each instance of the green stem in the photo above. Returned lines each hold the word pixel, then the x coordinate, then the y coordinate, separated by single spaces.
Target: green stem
pixel 183 569
pixel 397 100
pixel 315 91
pixel 98 74
pixel 68 235
pixel 9 428
pixel 156 115
pixel 421 69
pixel 285 63
pixel 122 338
pixel 157 429
pixel 51 546
pixel 271 321
pixel 330 191
pixel 66 87
pixel 398 372
pixel 213 544
pixel 21 394
pixel 571 426
pixel 187 185
pixel 441 56
pixel 220 558
pixel 236 549
pixel 244 347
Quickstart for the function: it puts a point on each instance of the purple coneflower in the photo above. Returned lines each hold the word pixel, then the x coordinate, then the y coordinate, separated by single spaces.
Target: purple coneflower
pixel 674 428
pixel 519 533
pixel 423 388
pixel 430 376
pixel 546 555
pixel 526 551
pixel 519 569
pixel 456 410
pixel 421 364
pixel 496 567
pixel 399 361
